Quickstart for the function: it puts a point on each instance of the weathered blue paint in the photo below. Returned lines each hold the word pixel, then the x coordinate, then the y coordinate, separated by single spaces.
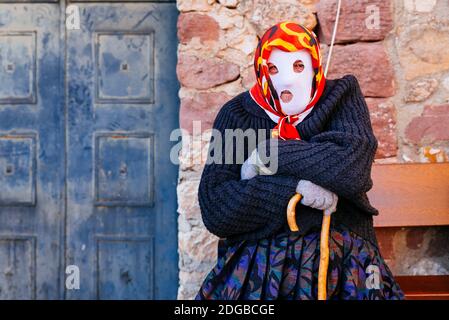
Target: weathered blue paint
pixel 121 185
pixel 85 174
pixel 31 151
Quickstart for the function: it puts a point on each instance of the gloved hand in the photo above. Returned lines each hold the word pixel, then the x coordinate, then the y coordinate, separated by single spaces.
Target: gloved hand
pixel 253 166
pixel 317 197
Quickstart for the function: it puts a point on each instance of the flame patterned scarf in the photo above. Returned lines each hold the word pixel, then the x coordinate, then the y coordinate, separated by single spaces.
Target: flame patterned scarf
pixel 286 36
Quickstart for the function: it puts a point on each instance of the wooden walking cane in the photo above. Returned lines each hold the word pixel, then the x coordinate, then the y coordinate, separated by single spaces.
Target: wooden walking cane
pixel 325 226
pixel 324 243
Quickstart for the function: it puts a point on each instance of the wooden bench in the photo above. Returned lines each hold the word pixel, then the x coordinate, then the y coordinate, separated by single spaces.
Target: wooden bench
pixel 413 195
pixel 424 287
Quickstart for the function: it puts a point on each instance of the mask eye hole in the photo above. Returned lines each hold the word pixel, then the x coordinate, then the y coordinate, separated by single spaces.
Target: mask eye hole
pixel 298 66
pixel 272 69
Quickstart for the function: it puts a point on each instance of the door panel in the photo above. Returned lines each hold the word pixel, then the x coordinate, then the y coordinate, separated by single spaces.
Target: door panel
pixel 121 186
pixel 85 176
pixel 31 151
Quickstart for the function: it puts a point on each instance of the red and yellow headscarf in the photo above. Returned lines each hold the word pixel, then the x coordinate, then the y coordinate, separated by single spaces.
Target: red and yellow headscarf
pixel 287 36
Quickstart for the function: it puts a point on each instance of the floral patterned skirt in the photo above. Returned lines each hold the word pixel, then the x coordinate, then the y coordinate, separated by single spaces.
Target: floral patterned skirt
pixel 285 266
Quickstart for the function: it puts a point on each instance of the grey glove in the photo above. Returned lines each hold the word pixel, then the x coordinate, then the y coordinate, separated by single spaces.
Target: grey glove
pixel 253 166
pixel 317 197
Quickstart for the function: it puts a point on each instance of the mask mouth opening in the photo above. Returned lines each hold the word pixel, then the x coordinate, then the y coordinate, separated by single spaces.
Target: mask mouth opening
pixel 286 96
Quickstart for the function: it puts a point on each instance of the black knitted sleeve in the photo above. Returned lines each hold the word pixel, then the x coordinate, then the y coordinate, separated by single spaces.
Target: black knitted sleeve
pixel 231 207
pixel 340 157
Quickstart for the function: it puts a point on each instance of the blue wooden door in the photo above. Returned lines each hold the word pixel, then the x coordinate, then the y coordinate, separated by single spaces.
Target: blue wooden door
pixel 31 151
pixel 122 107
pixel 85 174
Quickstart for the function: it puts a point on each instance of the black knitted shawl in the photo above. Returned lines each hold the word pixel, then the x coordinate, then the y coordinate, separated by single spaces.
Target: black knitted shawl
pixel 336 152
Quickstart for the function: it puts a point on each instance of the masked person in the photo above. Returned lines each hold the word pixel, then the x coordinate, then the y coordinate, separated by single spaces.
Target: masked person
pixel 325 149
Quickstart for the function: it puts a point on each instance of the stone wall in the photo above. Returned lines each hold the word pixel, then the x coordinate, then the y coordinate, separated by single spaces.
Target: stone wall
pixel 397 50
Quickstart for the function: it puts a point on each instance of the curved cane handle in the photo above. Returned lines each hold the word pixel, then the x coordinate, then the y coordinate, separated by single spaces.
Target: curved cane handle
pixel 324 243
pixel 291 212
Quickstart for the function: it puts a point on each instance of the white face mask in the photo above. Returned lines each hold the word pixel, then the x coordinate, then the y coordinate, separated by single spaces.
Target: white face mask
pixel 293 83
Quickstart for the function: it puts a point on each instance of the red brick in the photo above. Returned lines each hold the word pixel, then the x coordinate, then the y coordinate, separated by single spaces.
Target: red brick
pixel 383 120
pixel 369 63
pixel 203 106
pixel 415 238
pixel 192 25
pixel 355 23
pixel 385 238
pixel 200 73
pixel 431 126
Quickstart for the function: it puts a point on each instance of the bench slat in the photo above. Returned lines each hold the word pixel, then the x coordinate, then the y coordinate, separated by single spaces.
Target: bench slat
pixel 410 194
pixel 424 287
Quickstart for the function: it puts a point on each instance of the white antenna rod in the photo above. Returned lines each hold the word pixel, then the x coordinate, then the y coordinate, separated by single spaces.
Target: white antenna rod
pixel 333 38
